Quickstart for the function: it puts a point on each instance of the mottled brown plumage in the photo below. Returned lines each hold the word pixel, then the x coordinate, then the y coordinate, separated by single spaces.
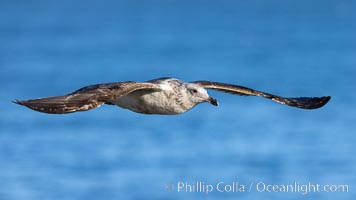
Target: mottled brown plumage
pixel 86 98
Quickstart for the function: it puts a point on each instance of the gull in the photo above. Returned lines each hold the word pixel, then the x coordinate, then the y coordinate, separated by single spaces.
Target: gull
pixel 166 96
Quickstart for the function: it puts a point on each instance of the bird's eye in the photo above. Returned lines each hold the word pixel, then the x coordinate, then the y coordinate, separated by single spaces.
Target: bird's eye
pixel 194 90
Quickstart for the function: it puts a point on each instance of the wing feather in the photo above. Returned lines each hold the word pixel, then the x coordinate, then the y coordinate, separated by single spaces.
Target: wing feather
pixel 299 102
pixel 86 98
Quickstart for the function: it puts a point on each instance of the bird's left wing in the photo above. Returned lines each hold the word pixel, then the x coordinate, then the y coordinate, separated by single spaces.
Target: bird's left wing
pixel 299 102
pixel 86 98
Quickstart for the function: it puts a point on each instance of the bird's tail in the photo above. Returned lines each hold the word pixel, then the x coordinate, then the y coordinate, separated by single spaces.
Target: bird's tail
pixel 62 104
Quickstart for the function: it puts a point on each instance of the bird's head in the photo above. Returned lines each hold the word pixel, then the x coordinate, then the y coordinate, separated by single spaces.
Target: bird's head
pixel 198 94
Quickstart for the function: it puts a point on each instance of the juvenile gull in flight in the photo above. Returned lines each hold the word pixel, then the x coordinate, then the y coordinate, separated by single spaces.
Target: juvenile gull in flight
pixel 166 96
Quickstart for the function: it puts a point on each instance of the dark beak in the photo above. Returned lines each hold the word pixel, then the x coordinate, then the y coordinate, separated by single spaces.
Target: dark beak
pixel 213 101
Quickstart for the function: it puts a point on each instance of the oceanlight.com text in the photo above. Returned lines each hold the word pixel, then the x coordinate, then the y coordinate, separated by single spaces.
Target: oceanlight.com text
pixel 259 186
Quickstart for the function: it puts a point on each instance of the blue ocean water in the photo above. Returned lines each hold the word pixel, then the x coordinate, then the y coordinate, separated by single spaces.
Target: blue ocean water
pixel 290 48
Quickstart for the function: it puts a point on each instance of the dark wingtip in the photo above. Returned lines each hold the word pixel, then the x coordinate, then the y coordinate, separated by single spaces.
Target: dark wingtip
pixel 23 103
pixel 324 100
pixel 304 102
pixel 311 103
pixel 18 102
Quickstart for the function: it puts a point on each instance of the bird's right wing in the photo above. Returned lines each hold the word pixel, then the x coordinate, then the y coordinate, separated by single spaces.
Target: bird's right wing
pixel 86 98
pixel 299 102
